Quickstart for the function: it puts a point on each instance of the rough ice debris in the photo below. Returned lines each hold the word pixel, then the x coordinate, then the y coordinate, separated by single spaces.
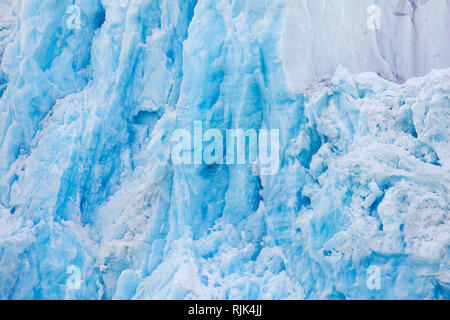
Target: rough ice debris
pixel 92 207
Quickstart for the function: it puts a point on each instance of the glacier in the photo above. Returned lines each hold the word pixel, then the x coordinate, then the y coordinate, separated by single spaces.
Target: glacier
pixel 92 206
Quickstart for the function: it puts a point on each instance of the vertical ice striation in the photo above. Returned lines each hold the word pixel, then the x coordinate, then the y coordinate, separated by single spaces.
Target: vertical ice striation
pixel 88 187
pixel 410 38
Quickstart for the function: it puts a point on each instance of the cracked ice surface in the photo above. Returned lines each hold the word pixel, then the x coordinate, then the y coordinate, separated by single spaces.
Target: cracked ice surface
pixel 86 178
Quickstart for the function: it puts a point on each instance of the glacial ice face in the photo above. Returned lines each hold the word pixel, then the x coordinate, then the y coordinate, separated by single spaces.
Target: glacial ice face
pixel 87 183
pixel 317 36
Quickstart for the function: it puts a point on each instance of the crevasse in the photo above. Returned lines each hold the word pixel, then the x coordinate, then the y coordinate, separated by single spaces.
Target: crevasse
pixel 86 177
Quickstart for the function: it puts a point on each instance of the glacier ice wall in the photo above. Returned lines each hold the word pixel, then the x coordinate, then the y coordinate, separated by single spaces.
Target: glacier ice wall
pixel 86 179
